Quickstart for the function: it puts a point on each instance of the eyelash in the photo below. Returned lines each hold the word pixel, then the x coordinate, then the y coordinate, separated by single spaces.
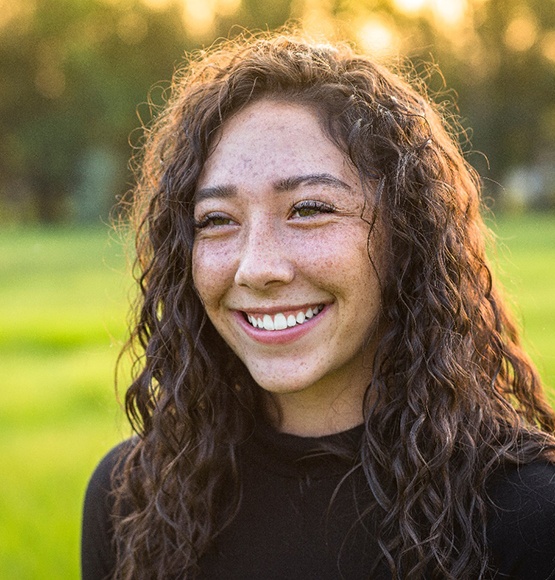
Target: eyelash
pixel 209 220
pixel 309 204
pixel 317 206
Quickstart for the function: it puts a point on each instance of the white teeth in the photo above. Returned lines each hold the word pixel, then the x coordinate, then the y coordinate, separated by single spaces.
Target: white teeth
pixel 281 322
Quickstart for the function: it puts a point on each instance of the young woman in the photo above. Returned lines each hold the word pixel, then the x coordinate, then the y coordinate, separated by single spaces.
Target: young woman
pixel 328 384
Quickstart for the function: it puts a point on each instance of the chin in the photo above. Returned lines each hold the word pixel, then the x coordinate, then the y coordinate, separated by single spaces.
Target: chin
pixel 277 385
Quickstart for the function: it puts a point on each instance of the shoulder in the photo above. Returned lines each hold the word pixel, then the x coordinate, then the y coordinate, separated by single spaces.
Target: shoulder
pixel 520 493
pixel 521 529
pixel 100 481
pixel 98 498
pixel 97 553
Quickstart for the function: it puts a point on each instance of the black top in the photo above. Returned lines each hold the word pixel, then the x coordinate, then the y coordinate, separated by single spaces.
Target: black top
pixel 287 529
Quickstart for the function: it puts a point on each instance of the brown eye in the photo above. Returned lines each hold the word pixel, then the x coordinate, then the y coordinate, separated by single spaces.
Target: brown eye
pixel 306 211
pixel 220 221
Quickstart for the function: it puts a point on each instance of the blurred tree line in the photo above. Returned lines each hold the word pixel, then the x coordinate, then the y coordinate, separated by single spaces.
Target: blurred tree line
pixel 75 75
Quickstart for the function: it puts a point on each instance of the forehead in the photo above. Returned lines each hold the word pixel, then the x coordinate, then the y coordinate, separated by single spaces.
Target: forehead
pixel 272 140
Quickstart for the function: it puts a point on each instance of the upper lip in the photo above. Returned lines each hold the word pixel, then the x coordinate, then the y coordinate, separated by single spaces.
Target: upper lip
pixel 271 310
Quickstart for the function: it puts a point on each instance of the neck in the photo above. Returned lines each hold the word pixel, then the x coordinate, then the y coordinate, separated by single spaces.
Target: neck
pixel 305 415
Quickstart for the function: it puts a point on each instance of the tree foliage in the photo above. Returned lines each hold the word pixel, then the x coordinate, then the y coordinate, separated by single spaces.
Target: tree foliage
pixel 74 72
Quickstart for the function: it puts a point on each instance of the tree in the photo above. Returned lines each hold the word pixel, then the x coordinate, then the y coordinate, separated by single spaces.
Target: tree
pixel 74 71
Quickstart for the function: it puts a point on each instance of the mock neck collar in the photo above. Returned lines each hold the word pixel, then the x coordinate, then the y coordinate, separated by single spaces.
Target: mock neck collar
pixel 296 456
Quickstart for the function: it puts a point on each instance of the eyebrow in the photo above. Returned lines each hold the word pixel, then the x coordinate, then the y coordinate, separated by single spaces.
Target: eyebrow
pixel 291 183
pixel 286 184
pixel 215 192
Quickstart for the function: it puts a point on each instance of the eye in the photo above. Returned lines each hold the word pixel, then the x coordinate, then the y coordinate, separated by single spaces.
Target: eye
pixel 213 220
pixel 310 208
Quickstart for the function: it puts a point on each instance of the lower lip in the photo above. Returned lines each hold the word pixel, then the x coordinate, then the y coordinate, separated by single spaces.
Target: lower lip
pixel 284 336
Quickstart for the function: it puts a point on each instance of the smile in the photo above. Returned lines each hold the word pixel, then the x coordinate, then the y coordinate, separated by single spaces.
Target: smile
pixel 281 321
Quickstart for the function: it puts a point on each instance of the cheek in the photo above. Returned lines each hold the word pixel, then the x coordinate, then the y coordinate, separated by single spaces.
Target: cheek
pixel 355 274
pixel 343 255
pixel 212 271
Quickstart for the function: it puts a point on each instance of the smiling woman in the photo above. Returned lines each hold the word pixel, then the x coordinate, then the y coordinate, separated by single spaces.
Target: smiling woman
pixel 281 265
pixel 328 385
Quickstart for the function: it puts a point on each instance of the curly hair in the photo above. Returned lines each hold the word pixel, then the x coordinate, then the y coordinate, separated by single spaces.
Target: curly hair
pixel 454 396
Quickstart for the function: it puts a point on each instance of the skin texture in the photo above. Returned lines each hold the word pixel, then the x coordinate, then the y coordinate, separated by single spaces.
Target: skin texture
pixel 279 213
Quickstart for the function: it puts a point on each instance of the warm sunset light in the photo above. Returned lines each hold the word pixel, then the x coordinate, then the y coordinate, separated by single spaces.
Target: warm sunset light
pixel 450 12
pixel 521 33
pixel 10 10
pixel 447 12
pixel 548 46
pixel 199 15
pixel 376 36
pixel 316 20
pixel 101 97
pixel 410 6
pixel 227 7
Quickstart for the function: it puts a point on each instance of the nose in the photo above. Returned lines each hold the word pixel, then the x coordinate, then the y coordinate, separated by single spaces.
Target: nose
pixel 264 260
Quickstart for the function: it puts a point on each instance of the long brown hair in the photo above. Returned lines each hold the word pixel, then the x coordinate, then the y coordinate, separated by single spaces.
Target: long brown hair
pixel 453 394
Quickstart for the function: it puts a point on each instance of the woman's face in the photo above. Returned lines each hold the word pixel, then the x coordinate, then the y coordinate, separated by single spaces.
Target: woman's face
pixel 280 257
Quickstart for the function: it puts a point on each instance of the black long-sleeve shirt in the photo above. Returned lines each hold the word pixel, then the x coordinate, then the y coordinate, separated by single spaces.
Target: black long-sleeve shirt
pixel 287 529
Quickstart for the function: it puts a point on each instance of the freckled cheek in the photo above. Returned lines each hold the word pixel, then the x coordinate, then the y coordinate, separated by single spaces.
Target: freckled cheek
pixel 213 271
pixel 334 256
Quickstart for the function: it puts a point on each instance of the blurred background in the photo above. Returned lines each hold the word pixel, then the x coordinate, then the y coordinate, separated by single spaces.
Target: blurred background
pixel 77 79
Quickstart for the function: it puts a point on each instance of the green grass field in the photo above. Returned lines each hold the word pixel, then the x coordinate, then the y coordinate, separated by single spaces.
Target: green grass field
pixel 525 259
pixel 63 296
